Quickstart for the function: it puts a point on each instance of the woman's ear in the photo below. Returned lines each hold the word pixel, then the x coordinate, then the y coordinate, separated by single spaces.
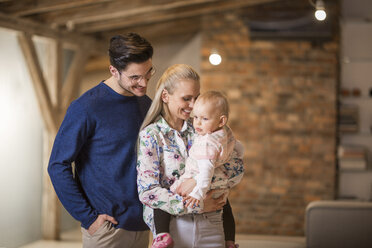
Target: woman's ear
pixel 223 121
pixel 165 96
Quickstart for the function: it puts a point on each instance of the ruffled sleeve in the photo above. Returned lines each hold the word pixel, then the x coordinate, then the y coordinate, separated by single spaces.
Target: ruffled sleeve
pixel 205 148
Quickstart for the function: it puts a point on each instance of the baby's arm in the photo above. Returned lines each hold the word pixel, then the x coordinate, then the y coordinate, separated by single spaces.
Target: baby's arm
pixel 203 179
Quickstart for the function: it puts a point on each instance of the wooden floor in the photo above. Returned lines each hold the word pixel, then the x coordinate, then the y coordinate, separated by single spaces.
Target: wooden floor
pixel 72 239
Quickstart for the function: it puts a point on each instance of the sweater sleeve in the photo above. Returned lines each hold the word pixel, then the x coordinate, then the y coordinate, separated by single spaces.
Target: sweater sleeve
pixel 72 135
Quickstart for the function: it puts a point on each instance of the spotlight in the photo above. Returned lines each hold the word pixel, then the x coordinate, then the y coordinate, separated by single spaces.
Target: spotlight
pixel 320 13
pixel 215 58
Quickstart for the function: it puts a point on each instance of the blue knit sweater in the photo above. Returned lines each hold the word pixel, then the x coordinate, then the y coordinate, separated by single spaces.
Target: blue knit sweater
pixel 99 134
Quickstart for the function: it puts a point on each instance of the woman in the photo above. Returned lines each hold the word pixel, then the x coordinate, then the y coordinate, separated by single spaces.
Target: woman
pixel 163 147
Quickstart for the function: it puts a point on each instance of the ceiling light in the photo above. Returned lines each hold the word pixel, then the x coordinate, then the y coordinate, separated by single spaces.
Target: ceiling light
pixel 215 58
pixel 320 13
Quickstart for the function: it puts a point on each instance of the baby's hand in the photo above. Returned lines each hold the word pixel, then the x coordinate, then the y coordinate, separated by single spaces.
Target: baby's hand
pixel 191 201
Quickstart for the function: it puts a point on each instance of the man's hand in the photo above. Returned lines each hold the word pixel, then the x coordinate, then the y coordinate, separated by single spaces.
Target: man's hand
pixel 186 187
pixel 211 204
pixel 99 222
pixel 191 201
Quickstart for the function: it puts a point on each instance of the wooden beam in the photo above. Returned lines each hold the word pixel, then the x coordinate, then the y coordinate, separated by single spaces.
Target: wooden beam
pixel 41 90
pixel 53 6
pixel 125 13
pixel 98 63
pixel 51 207
pixel 54 66
pixel 35 28
pixel 71 85
pixel 158 17
pixel 50 203
pixel 56 69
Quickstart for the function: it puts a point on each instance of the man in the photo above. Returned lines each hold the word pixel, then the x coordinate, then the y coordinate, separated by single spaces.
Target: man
pixel 99 133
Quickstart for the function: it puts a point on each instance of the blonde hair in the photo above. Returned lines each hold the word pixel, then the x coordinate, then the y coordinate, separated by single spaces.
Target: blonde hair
pixel 218 100
pixel 169 81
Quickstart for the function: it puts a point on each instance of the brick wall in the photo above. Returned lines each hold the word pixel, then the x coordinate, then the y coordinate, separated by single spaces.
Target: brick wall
pixel 283 109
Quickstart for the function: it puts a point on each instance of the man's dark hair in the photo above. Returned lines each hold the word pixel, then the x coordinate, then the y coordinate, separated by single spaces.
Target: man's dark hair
pixel 129 48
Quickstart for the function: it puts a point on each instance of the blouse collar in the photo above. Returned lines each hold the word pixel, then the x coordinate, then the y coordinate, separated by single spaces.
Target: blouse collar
pixel 165 128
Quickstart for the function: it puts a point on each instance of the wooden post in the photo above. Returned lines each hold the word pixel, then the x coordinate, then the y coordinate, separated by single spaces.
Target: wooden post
pixel 70 89
pixel 51 207
pixel 50 204
pixel 53 101
pixel 41 90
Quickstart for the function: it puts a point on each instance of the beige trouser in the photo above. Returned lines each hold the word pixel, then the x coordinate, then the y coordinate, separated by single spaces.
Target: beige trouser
pixel 109 237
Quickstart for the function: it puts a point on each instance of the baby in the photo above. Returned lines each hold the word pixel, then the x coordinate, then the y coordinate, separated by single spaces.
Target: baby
pixel 212 147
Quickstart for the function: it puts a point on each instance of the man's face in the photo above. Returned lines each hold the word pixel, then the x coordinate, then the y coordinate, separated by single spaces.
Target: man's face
pixel 134 79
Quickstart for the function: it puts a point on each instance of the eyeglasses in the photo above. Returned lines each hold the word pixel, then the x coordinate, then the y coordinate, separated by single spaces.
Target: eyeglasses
pixel 139 78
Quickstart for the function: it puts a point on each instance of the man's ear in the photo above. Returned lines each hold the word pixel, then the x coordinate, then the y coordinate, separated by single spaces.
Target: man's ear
pixel 114 72
pixel 223 121
pixel 165 96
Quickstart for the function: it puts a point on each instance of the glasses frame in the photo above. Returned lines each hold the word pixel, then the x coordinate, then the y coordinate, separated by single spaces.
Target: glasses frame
pixel 138 78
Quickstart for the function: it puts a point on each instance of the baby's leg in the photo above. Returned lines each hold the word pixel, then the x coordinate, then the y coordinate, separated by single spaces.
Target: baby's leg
pixel 161 221
pixel 228 225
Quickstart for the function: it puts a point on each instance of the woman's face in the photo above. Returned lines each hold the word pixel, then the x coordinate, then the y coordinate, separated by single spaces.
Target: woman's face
pixel 181 102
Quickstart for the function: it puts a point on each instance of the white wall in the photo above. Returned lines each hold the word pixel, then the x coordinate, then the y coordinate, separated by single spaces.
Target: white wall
pixel 21 131
pixel 170 53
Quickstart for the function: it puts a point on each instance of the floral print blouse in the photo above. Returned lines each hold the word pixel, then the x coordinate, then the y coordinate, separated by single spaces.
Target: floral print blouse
pixel 162 152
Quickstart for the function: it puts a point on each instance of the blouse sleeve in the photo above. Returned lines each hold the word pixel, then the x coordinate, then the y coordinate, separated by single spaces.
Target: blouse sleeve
pixel 149 172
pixel 233 171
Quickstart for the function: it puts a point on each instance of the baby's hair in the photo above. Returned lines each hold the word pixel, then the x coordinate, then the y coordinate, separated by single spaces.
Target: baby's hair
pixel 217 99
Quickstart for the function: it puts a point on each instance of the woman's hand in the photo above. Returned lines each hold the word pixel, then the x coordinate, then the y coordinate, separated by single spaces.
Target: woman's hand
pixel 186 187
pixel 191 201
pixel 213 204
pixel 99 222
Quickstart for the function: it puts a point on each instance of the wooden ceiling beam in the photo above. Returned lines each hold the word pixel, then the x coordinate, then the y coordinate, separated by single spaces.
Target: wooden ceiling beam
pixel 125 13
pixel 52 6
pixel 160 16
pixel 38 29
pixel 40 85
pixel 122 10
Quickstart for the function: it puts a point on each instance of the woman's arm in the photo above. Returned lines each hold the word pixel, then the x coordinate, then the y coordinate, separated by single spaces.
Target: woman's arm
pixel 150 168
pixel 233 171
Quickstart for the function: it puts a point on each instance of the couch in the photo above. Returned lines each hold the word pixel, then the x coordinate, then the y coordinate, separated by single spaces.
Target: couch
pixel 328 224
pixel 338 224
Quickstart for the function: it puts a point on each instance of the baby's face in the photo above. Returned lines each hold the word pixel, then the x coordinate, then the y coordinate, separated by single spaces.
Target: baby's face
pixel 206 118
